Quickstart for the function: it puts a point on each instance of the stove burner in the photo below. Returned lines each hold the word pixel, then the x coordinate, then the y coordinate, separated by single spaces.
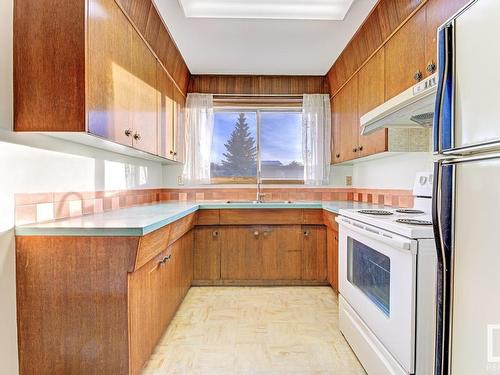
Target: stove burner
pixel 375 212
pixel 409 211
pixel 414 222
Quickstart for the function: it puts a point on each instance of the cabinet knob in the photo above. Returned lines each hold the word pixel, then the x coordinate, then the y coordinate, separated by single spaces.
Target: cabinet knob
pixel 256 233
pixel 164 260
pixel 431 67
pixel 128 132
pixel 171 152
pixel 337 156
pixel 215 233
pixel 137 136
pixel 266 233
pixel 360 148
pixel 175 153
pixel 355 149
pixel 306 233
pixel 417 76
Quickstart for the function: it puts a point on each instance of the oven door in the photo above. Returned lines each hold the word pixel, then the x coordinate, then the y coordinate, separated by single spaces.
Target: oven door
pixel 377 276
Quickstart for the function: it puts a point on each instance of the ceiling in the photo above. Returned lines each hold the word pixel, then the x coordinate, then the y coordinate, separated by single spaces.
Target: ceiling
pixel 261 46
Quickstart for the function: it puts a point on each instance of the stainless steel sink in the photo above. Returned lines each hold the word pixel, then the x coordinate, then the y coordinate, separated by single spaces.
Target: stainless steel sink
pixel 259 202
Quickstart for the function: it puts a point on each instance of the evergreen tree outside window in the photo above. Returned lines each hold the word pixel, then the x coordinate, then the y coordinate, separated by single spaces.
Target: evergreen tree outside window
pixel 244 139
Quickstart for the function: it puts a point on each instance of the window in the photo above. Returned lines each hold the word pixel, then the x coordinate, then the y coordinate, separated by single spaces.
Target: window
pixel 246 142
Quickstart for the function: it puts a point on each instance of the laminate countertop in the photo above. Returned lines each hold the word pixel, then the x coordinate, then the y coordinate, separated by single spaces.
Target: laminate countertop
pixel 141 220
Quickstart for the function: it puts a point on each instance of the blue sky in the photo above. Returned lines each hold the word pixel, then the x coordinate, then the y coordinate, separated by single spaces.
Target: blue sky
pixel 281 134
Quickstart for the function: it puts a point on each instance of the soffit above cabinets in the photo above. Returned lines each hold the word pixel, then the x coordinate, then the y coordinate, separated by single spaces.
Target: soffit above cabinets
pixel 261 46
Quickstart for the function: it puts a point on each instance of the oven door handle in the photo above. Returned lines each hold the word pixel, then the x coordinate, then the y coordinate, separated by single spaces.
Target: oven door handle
pixel 373 233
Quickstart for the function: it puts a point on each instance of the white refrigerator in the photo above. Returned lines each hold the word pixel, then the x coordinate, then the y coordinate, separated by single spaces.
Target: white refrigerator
pixel 466 206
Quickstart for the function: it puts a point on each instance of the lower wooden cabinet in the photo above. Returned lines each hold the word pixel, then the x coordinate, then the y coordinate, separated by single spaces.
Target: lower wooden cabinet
pixel 332 257
pixel 260 254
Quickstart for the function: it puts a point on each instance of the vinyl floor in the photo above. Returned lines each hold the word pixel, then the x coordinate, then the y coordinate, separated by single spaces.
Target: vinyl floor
pixel 255 331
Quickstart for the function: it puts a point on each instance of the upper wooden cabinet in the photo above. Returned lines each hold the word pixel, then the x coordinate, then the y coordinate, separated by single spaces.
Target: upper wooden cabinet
pixel 405 56
pixel 84 67
pixel 345 125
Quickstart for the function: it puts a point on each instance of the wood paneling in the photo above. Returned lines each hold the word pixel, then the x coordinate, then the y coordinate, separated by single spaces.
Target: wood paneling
pixel 207 248
pixel 181 226
pixel 165 104
pixel 261 216
pixel 208 217
pixel 251 85
pixel 49 65
pixel 405 55
pixel 314 252
pixel 386 17
pixel 371 93
pixel 72 304
pixel 313 216
pixel 329 220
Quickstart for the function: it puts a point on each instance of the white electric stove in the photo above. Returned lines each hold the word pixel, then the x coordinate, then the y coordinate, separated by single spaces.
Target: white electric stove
pixel 387 278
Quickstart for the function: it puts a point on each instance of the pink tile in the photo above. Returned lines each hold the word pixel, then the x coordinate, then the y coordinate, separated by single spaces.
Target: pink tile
pixel 33 198
pixel 75 208
pixel 88 206
pixel 115 203
pixel 98 205
pixel 61 209
pixel 26 214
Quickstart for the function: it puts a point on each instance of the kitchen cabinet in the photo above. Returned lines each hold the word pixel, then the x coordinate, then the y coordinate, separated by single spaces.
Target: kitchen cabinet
pixel 241 253
pixel 314 265
pixel 437 12
pixel 207 253
pixel 405 56
pixel 332 257
pixel 371 84
pixel 91 305
pixel 345 123
pixel 84 73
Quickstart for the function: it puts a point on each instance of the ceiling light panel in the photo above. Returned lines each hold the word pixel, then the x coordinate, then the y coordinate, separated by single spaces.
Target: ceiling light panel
pixel 267 9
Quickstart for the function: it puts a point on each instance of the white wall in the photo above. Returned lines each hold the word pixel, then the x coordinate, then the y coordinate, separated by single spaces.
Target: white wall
pixel 38 163
pixel 391 172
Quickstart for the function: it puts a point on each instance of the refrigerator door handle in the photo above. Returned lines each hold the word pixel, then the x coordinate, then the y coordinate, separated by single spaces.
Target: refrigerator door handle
pixel 443 111
pixel 443 221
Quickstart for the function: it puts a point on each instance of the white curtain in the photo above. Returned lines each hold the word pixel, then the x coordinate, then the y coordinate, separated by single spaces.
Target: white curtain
pixel 316 138
pixel 199 126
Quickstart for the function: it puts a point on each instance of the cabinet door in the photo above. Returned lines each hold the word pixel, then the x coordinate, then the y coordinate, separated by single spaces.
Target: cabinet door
pixel 241 257
pixel 281 252
pixel 144 96
pixel 346 122
pixel 165 113
pixel 109 88
pixel 335 141
pixel 437 12
pixel 314 252
pixel 332 258
pixel 405 56
pixel 207 245
pixel 371 83
pixel 179 134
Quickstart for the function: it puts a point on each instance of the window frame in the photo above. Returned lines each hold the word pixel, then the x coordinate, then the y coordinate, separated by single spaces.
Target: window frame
pixel 249 180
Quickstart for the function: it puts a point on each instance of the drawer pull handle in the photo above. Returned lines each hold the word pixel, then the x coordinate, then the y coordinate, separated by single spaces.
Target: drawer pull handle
pixel 164 260
pixel 306 233
pixel 215 233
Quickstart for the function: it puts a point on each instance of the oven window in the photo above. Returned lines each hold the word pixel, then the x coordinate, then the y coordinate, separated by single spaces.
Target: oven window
pixel 370 271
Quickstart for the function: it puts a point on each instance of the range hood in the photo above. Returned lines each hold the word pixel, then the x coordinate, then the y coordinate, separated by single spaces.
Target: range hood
pixel 414 107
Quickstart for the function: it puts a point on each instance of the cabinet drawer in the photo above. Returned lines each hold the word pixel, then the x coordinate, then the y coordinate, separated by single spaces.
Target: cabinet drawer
pixel 313 216
pixel 180 227
pixel 208 217
pixel 151 244
pixel 261 216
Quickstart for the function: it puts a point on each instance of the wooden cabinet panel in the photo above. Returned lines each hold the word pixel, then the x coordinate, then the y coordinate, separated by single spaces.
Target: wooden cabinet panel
pixel 261 216
pixel 165 113
pixel 281 252
pixel 110 84
pixel 181 226
pixel 314 252
pixel 151 244
pixel 207 252
pixel 208 217
pixel 312 216
pixel 405 55
pixel 437 12
pixel 144 96
pixel 178 136
pixel 332 258
pixel 371 84
pixel 345 122
pixel 241 257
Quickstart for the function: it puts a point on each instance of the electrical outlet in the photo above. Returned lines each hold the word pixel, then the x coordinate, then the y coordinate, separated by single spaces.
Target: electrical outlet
pixel 348 180
pixel 180 180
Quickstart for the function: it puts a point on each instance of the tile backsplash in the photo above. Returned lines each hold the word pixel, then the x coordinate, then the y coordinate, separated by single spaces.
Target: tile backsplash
pixel 40 207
